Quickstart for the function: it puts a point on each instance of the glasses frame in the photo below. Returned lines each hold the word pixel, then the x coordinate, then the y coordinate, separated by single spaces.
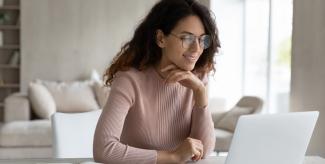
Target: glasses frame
pixel 199 38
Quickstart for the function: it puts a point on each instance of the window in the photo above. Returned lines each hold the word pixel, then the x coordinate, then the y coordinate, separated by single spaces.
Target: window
pixel 255 52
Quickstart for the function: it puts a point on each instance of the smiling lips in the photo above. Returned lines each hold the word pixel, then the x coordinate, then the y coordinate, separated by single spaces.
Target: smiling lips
pixel 190 57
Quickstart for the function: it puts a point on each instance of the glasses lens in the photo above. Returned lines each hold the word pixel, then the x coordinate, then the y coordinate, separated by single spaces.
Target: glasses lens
pixel 188 40
pixel 205 41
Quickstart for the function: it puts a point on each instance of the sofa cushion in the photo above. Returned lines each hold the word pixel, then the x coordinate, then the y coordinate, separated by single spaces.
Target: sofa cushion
pixel 23 153
pixel 102 93
pixel 41 100
pixel 229 121
pixel 71 97
pixel 26 133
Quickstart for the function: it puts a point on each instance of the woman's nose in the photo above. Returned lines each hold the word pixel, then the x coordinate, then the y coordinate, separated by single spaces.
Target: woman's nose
pixel 195 46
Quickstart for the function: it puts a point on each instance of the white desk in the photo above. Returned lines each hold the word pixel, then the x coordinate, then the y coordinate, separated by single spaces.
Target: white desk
pixel 210 160
pixel 221 160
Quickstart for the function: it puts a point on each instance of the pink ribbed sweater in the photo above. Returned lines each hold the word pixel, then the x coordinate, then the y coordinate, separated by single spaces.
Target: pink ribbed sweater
pixel 143 114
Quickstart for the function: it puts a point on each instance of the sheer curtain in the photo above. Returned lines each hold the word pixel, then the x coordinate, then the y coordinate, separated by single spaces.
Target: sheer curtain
pixel 255 54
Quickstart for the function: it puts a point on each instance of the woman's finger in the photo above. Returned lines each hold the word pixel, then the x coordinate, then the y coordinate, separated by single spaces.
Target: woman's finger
pixel 172 73
pixel 196 154
pixel 196 149
pixel 176 76
pixel 197 141
pixel 199 147
pixel 201 151
pixel 180 78
pixel 168 68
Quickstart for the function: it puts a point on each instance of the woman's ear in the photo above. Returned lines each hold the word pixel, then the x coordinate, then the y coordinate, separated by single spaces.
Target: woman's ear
pixel 160 39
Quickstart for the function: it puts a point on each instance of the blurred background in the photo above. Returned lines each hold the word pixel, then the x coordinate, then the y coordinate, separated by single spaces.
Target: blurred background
pixel 272 49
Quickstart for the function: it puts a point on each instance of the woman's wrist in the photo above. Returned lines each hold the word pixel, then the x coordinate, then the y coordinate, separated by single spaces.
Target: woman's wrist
pixel 200 97
pixel 166 157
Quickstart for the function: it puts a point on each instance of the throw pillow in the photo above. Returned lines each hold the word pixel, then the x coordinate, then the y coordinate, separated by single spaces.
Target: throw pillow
pixel 41 100
pixel 229 121
pixel 72 97
pixel 102 93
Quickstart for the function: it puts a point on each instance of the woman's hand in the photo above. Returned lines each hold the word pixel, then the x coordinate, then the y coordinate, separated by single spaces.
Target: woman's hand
pixel 189 80
pixel 185 78
pixel 190 148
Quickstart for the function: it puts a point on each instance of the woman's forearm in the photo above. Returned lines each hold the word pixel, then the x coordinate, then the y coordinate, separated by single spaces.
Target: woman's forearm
pixel 166 157
pixel 200 97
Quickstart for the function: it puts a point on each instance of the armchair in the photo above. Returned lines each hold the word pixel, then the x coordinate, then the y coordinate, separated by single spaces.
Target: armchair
pixel 225 122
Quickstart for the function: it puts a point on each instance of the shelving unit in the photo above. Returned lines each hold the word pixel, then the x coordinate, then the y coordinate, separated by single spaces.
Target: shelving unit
pixel 9 7
pixel 9 50
pixel 9 27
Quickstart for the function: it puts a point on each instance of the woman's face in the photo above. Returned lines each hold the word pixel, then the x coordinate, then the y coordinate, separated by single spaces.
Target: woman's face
pixel 177 47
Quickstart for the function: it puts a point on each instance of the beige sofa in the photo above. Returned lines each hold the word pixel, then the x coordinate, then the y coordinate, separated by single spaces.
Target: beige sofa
pixel 21 137
pixel 26 132
pixel 25 135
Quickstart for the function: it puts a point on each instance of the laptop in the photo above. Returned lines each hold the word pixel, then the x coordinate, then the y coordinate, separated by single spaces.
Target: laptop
pixel 272 138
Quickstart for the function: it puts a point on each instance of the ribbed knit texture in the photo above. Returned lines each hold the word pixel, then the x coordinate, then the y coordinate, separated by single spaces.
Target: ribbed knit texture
pixel 143 114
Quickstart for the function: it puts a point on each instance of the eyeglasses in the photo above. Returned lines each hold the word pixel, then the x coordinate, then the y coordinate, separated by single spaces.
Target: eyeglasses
pixel 189 40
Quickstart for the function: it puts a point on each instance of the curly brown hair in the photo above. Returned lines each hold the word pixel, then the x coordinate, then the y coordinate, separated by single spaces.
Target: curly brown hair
pixel 142 51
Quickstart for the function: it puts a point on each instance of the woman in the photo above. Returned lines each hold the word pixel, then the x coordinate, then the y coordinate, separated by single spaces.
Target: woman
pixel 157 108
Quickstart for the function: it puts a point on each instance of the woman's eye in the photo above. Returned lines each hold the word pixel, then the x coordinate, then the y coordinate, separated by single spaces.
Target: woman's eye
pixel 185 37
pixel 188 38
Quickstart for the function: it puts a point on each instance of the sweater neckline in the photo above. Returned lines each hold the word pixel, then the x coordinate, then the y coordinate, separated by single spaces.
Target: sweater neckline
pixel 156 74
pixel 161 79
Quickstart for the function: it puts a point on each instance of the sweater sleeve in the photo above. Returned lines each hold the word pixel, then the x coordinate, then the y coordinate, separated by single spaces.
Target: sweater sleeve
pixel 107 147
pixel 202 127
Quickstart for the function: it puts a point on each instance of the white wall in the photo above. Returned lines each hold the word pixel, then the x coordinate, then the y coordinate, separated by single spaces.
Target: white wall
pixel 308 66
pixel 66 39
pixel 205 2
